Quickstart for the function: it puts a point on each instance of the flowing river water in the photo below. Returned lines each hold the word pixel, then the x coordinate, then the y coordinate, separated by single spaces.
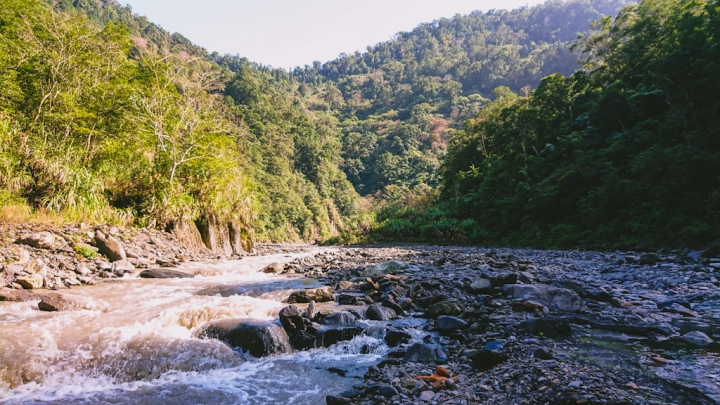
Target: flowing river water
pixel 142 349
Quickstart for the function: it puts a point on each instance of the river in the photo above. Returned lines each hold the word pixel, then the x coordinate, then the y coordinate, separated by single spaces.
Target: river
pixel 142 349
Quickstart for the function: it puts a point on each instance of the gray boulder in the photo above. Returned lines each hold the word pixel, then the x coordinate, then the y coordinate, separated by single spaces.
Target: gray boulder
pixel 291 318
pixel 424 353
pixel 377 312
pixel 448 324
pixel 557 299
pixel 481 286
pixel 697 338
pixel 110 247
pixel 274 268
pixel 62 302
pixel 259 338
pixel 389 267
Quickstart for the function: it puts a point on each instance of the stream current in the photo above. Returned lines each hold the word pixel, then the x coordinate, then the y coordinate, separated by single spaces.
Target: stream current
pixel 142 349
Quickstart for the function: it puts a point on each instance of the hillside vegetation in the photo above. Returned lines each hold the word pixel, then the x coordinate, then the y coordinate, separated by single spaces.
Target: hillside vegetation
pixel 623 151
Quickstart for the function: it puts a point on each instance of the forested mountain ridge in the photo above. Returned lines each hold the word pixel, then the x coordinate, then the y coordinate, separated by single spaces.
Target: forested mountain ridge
pixel 400 101
pixel 624 151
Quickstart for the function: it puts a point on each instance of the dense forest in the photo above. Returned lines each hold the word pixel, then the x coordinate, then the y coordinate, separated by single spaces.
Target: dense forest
pixel 623 151
pixel 579 122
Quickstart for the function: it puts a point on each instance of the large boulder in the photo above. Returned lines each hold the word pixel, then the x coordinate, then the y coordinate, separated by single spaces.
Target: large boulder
pixel 557 299
pixel 424 353
pixel 164 273
pixel 322 294
pixel 389 267
pixel 696 338
pixel 377 312
pixel 40 240
pixel 340 318
pixel 31 282
pixel 330 335
pixel 291 318
pixel 259 338
pixel 109 246
pixel 62 302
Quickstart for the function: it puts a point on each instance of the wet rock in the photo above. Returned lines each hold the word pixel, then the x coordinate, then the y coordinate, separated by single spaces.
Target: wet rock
pixel 481 286
pixel 310 313
pixel 340 318
pixel 333 400
pixel 40 240
pixel 395 307
pixel 424 353
pixel 61 302
pixel 443 308
pixel 7 294
pixel 697 338
pixel 550 328
pixel 291 318
pixel 330 335
pixel 344 299
pixel 389 267
pixel 557 299
pixel 110 247
pixel 303 340
pixel 274 268
pixel 322 294
pixel 447 324
pixel 486 359
pixel 31 282
pixel 378 312
pixel 395 337
pixel 164 273
pixel 259 338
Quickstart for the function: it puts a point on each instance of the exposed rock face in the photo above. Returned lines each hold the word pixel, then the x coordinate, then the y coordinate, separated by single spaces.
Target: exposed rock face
pixel 321 294
pixel 62 302
pixel 258 338
pixel 40 240
pixel 110 247
pixel 557 299
pixel 164 273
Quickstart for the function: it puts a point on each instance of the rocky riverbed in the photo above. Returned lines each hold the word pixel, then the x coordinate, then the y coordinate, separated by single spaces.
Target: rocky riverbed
pixel 390 325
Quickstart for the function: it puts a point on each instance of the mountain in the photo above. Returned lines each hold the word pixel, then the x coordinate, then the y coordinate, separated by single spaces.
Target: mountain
pixel 399 102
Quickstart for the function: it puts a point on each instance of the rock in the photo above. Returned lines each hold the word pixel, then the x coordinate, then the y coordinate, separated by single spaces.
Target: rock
pixel 330 335
pixel 310 313
pixel 424 353
pixel 333 400
pixel 448 324
pixel 443 308
pixel 7 294
pixel 481 286
pixel 697 338
pixel 648 258
pixel 164 273
pixel 36 267
pixel 61 302
pixel 543 354
pixel 341 318
pixel 387 391
pixel 110 247
pixel 550 328
pixel 345 285
pixel 395 337
pixel 40 240
pixel 490 356
pixel 378 312
pixel 575 384
pixel 395 307
pixel 31 282
pixel 344 299
pixel 259 338
pixel 274 268
pixel 557 299
pixel 292 320
pixel 22 256
pixel 389 267
pixel 322 294
pixel 427 396
pixel 405 304
pixel 121 267
pixel 303 340
pixel 598 295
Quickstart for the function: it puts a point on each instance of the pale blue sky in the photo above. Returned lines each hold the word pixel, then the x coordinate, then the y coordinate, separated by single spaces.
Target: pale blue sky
pixel 289 33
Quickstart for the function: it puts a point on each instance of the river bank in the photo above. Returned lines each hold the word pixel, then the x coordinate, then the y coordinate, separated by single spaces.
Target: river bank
pixel 395 325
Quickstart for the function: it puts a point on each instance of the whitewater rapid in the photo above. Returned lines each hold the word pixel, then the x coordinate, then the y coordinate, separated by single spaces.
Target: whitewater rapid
pixel 142 350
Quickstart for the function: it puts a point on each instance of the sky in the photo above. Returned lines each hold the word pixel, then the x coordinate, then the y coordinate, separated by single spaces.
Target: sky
pixel 290 33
